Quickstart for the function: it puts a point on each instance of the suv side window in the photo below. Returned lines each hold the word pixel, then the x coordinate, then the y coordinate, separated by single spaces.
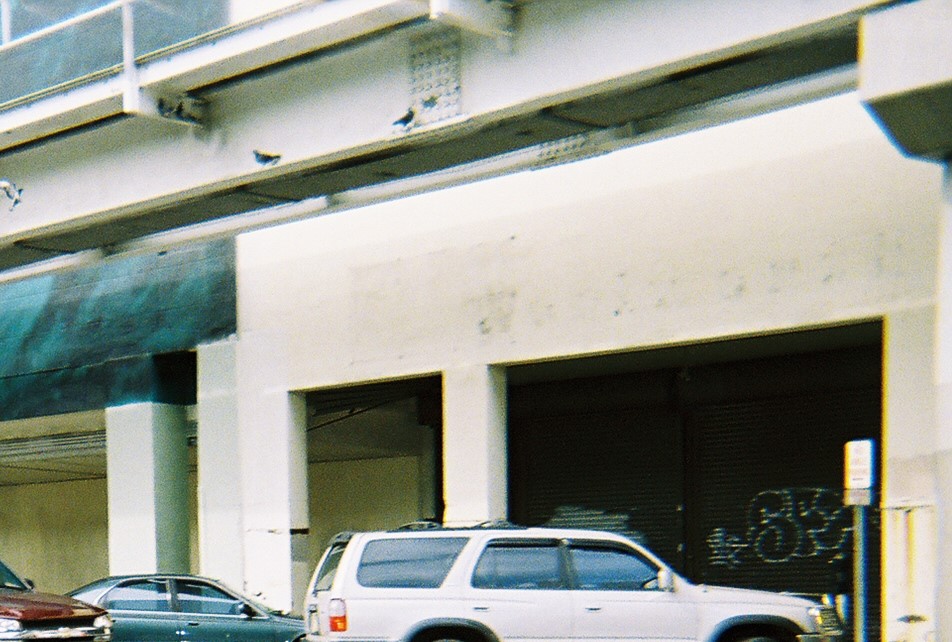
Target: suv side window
pixel 511 564
pixel 606 568
pixel 325 576
pixel 412 562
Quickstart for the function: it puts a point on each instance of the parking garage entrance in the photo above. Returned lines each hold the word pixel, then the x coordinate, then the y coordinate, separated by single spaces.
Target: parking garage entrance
pixel 726 458
pixel 374 457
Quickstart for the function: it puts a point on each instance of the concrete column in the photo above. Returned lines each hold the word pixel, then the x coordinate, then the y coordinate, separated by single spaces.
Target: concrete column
pixel 943 455
pixel 147 482
pixel 475 484
pixel 220 534
pixel 906 81
pixel 906 74
pixel 273 458
pixel 908 503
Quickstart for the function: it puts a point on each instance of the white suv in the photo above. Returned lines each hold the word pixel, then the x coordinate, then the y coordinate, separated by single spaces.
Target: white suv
pixel 514 584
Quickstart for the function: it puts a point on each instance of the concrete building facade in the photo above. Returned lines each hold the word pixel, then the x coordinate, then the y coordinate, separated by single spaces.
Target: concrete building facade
pixel 638 267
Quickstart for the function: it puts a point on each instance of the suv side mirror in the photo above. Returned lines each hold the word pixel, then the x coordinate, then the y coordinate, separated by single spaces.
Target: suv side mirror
pixel 665 580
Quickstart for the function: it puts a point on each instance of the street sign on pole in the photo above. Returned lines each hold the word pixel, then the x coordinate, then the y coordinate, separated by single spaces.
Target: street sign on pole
pixel 858 493
pixel 858 473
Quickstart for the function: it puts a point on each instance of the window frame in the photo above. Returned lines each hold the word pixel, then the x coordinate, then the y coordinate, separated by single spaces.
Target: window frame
pixel 363 564
pixel 611 546
pixel 565 577
pixel 106 599
pixel 185 581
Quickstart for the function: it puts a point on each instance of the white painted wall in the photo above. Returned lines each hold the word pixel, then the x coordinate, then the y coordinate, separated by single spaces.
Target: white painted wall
pixel 800 218
pixel 361 495
pixel 148 489
pixel 55 534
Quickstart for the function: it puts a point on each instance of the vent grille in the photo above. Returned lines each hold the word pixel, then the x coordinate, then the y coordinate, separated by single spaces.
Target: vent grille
pixel 52 447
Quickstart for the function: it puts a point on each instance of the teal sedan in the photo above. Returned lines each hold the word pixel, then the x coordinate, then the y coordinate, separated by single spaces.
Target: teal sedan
pixel 185 608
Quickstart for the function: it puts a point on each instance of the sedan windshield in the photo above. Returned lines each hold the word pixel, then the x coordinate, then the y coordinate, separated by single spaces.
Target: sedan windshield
pixel 9 580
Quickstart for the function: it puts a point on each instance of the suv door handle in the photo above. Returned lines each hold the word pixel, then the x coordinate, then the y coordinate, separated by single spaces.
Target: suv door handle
pixel 481 609
pixel 593 608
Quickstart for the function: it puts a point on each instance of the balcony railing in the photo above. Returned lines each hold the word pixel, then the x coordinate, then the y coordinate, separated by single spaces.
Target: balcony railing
pixel 98 43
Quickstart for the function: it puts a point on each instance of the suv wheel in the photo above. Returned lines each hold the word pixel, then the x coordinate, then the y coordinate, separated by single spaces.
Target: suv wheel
pixel 449 636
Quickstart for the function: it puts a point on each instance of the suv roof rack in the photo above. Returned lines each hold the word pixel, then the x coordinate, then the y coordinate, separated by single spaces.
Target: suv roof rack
pixel 498 523
pixel 420 525
pixel 429 525
pixel 341 538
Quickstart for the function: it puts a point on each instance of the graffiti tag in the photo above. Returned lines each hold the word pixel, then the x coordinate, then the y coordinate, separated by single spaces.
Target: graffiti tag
pixel 784 525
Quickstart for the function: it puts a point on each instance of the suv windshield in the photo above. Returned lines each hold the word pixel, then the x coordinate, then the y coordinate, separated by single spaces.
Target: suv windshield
pixel 9 580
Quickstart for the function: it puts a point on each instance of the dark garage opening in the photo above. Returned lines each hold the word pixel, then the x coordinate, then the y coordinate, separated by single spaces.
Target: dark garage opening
pixel 725 458
pixel 374 456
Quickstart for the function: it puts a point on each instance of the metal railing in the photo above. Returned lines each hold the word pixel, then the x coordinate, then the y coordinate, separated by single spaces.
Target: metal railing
pixel 97 43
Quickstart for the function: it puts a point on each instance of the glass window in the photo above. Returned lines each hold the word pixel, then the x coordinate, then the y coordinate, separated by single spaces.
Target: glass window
pixel 143 595
pixel 599 568
pixel 325 577
pixel 519 565
pixel 198 597
pixel 408 562
pixel 8 579
pixel 28 16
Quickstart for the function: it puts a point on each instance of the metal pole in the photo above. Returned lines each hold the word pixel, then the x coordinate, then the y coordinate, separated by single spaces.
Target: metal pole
pixel 130 96
pixel 859 573
pixel 6 29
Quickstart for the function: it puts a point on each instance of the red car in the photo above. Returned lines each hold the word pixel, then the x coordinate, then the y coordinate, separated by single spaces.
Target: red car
pixel 28 615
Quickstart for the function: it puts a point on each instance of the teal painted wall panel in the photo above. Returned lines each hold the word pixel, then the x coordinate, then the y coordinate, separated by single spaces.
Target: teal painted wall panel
pixel 93 337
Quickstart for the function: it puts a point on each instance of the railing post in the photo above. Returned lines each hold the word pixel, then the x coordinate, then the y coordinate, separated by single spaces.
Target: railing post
pixel 6 30
pixel 130 96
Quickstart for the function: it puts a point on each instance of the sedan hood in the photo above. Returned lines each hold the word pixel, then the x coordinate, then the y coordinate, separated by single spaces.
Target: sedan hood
pixel 21 605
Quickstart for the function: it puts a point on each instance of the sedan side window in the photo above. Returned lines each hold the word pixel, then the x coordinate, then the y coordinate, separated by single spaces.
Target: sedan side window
pixel 601 568
pixel 197 597
pixel 519 565
pixel 141 595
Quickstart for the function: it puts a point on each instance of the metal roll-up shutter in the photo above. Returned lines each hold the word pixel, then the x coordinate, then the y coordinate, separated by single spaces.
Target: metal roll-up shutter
pixel 767 511
pixel 765 445
pixel 611 467
pixel 731 469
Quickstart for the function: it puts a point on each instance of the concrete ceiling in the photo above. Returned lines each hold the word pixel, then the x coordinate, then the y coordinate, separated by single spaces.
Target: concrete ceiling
pixel 55 448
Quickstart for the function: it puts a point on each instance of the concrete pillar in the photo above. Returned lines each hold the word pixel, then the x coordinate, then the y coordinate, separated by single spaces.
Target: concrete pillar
pixel 910 545
pixel 272 426
pixel 943 389
pixel 475 484
pixel 147 482
pixel 906 82
pixel 220 534
pixel 906 75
